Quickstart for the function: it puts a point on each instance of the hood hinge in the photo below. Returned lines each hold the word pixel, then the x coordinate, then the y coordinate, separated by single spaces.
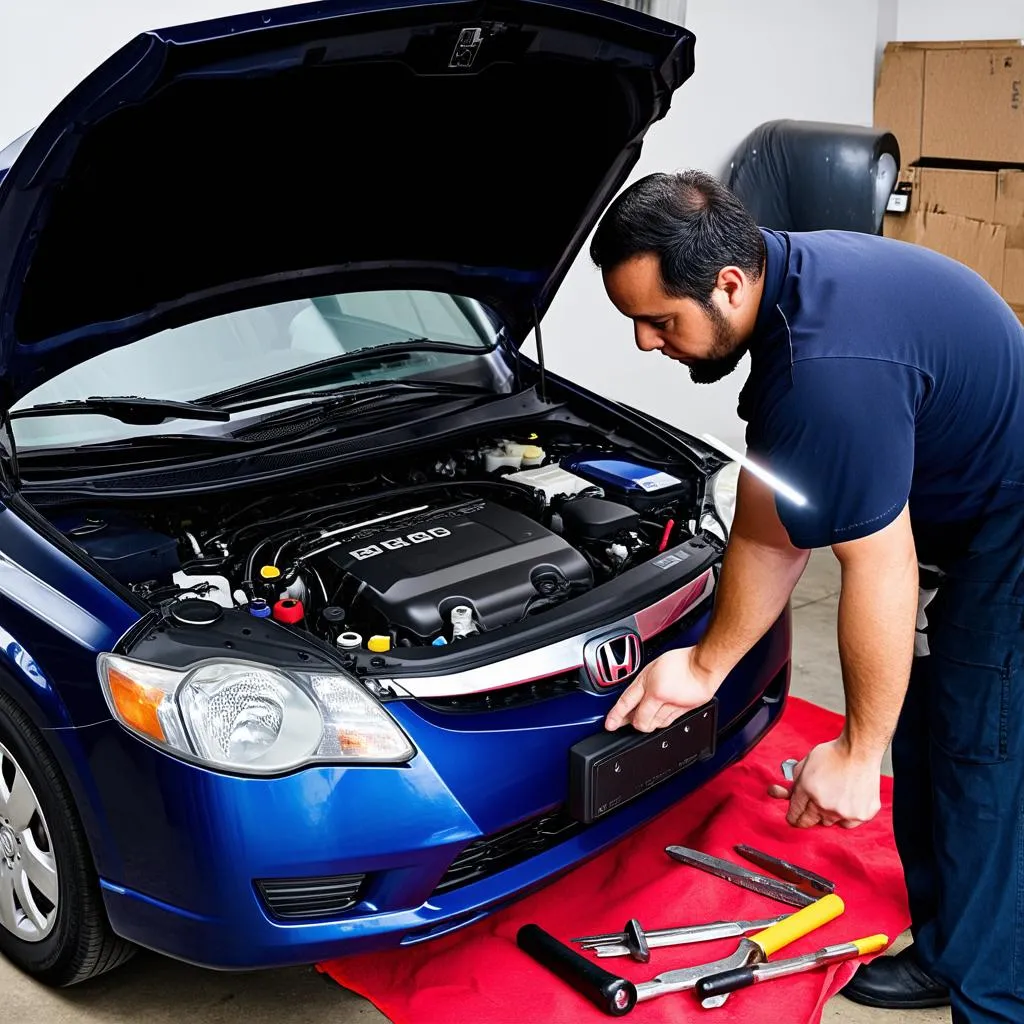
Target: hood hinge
pixel 9 448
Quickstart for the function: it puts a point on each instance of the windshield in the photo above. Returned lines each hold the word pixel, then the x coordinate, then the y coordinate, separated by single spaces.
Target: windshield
pixel 209 356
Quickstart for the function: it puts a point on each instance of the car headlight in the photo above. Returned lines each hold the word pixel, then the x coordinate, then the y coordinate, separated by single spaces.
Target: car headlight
pixel 722 490
pixel 251 718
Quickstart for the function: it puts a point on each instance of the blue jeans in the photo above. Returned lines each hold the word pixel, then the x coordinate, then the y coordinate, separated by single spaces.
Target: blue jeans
pixel 958 766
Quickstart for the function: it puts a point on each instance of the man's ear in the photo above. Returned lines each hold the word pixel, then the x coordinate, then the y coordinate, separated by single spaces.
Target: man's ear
pixel 733 283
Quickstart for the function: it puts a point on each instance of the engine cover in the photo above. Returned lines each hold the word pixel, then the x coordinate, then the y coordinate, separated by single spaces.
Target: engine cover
pixel 476 553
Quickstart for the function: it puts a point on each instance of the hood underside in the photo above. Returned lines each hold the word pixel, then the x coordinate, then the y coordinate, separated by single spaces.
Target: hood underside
pixel 463 146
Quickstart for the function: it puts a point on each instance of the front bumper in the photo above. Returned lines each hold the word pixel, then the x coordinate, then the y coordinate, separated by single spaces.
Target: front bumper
pixel 194 843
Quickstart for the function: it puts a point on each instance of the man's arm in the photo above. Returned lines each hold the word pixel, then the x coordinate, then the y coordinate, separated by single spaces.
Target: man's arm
pixel 760 569
pixel 839 781
pixel 877 618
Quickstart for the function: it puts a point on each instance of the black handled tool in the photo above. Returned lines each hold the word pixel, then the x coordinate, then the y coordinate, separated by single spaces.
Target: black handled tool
pixel 614 995
pixel 712 987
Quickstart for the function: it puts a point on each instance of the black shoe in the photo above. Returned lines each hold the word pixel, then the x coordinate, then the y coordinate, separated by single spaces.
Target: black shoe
pixel 896 983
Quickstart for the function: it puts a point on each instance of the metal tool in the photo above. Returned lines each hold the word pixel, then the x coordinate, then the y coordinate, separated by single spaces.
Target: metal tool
pixel 806 881
pixel 619 943
pixel 774 888
pixel 787 768
pixel 710 987
pixel 617 996
pixel 636 941
pixel 749 951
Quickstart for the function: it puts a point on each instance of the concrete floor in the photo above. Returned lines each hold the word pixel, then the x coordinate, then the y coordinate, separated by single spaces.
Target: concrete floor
pixel 160 991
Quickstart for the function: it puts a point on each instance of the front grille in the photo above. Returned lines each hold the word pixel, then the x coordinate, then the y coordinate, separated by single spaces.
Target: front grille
pixel 294 898
pixel 506 697
pixel 487 856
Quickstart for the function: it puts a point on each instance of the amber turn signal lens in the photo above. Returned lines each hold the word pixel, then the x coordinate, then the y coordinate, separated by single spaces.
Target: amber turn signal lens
pixel 137 704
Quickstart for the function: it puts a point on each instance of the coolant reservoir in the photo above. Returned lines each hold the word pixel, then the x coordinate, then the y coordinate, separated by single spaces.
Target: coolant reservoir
pixel 532 455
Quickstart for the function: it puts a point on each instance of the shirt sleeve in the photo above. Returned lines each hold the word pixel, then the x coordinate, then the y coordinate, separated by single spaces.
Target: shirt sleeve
pixel 842 437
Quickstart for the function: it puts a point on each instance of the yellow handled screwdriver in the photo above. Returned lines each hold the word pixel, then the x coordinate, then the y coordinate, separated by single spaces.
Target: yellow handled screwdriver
pixel 753 950
pixel 617 996
pixel 712 988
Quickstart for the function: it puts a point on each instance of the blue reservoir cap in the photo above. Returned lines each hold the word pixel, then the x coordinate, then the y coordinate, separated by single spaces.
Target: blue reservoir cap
pixel 259 608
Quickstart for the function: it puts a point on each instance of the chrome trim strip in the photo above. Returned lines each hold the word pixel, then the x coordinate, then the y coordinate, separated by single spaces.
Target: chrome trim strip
pixel 650 621
pixel 563 656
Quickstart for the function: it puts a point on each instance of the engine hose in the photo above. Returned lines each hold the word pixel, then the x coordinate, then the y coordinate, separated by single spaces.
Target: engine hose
pixel 250 564
pixel 231 517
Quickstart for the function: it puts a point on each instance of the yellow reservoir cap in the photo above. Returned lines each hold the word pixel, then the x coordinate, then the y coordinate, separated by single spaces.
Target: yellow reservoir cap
pixel 270 572
pixel 531 451
pixel 380 644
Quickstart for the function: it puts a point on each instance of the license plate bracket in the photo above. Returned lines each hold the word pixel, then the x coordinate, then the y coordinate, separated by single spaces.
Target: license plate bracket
pixel 607 770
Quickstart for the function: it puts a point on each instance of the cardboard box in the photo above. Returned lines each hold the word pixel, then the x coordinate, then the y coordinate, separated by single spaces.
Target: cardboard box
pixel 976 217
pixel 1013 277
pixel 956 101
pixel 979 244
pixel 995 196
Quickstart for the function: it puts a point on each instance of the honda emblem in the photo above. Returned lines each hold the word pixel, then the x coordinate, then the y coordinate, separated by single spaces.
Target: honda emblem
pixel 613 659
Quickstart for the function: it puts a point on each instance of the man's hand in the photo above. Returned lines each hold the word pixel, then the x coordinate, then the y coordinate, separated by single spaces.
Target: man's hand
pixel 831 787
pixel 668 687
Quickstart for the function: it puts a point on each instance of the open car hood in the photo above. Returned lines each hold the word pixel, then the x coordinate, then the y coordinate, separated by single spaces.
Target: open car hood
pixel 465 146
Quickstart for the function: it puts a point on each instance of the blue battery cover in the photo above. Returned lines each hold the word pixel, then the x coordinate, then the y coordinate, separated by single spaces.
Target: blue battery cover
pixel 620 475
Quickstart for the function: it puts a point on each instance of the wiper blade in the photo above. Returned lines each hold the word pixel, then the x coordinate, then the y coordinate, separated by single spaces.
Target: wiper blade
pixel 134 411
pixel 381 355
pixel 345 394
pixel 356 407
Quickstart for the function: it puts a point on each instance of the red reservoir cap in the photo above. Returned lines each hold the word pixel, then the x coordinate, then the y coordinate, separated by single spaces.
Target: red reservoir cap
pixel 289 611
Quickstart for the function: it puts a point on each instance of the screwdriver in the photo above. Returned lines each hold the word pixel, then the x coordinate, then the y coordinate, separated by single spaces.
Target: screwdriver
pixel 712 987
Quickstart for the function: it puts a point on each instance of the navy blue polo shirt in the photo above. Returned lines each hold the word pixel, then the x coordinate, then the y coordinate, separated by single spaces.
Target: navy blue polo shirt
pixel 882 373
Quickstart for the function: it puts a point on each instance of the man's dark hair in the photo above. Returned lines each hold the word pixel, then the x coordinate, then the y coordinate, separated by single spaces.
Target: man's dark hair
pixel 692 222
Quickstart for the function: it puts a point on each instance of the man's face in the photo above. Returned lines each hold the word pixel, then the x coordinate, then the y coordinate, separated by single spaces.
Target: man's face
pixel 709 340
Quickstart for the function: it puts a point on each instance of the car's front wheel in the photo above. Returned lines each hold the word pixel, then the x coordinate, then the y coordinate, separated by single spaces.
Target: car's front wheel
pixel 52 921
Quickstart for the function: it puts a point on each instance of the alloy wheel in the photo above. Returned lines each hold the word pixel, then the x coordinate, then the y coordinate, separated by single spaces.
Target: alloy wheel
pixel 28 868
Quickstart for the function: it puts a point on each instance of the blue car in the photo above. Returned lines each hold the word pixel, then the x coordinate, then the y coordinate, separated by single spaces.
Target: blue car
pixel 314 590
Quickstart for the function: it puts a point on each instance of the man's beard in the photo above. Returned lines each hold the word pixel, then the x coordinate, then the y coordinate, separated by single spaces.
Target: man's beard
pixel 726 350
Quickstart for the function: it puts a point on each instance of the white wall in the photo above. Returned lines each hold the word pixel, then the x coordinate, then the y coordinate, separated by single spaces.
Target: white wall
pixel 755 61
pixel 48 46
pixel 955 19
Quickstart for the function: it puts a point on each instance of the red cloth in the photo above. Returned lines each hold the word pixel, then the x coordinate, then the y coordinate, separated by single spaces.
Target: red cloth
pixel 479 975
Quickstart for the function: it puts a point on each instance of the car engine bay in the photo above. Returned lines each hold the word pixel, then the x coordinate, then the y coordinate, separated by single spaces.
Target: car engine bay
pixel 431 548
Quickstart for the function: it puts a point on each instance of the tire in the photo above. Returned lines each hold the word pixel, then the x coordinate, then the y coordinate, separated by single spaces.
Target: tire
pixel 69 940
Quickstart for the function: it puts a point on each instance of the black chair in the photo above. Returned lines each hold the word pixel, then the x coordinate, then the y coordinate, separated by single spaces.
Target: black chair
pixel 812 175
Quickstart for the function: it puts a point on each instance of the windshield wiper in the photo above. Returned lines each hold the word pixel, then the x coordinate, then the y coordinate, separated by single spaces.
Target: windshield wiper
pixel 381 355
pixel 355 405
pixel 134 411
pixel 345 394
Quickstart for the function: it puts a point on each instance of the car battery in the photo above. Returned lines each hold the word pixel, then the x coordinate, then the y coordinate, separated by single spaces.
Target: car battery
pixel 631 483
